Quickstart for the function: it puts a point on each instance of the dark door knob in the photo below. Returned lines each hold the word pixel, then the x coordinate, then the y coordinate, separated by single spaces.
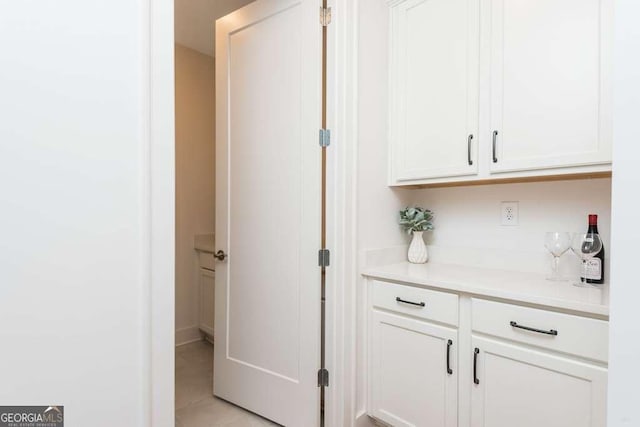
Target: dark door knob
pixel 220 255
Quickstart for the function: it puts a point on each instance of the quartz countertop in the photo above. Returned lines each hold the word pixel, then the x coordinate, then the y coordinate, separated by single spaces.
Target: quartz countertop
pixel 529 288
pixel 204 242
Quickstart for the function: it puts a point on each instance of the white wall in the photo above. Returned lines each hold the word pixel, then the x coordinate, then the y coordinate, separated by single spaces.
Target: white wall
pixel 195 178
pixel 378 205
pixel 468 229
pixel 73 294
pixel 624 359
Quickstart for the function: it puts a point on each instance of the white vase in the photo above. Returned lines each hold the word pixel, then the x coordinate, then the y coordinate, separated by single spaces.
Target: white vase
pixel 417 249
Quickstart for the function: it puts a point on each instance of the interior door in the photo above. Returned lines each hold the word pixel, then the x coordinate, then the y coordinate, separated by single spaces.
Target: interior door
pixel 268 209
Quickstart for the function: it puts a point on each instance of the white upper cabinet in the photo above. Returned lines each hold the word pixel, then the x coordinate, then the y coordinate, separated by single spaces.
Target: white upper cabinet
pixel 550 104
pixel 434 88
pixel 499 89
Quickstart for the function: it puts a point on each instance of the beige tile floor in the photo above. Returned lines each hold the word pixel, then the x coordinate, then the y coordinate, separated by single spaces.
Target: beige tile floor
pixel 195 404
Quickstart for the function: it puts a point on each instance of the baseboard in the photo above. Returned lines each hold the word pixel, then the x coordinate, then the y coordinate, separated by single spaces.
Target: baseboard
pixel 208 338
pixel 207 331
pixel 187 335
pixel 363 420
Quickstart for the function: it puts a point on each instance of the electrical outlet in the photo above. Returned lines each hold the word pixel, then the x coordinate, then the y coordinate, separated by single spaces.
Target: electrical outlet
pixel 509 213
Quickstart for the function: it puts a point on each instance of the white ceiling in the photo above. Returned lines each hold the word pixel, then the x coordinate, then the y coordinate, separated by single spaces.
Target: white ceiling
pixel 194 21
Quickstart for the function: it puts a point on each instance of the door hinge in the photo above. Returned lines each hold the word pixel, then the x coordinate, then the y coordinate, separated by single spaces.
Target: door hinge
pixel 324 257
pixel 323 378
pixel 325 137
pixel 325 16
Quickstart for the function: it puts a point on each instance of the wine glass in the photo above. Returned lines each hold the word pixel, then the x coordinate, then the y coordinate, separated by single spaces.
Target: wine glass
pixel 557 243
pixel 585 246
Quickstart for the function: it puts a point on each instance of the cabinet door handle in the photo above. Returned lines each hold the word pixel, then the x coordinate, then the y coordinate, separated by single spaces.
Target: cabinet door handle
pixel 469 149
pixel 495 137
pixel 419 304
pixel 475 366
pixel 540 331
pixel 449 370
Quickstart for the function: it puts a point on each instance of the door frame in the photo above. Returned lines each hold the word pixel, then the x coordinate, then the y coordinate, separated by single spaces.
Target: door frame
pixel 158 220
pixel 342 277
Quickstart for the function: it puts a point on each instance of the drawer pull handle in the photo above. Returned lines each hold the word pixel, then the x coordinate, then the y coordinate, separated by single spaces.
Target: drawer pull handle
pixel 419 304
pixel 475 366
pixel 540 331
pixel 469 138
pixel 493 141
pixel 449 370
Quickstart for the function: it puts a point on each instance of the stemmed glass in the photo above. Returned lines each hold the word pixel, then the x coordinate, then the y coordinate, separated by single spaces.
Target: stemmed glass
pixel 585 246
pixel 557 243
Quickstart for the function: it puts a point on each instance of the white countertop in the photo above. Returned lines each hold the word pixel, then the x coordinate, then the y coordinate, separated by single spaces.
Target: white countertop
pixel 204 243
pixel 530 288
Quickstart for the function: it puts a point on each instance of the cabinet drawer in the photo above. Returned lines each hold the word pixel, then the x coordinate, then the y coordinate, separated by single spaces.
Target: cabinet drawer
pixel 206 260
pixel 565 333
pixel 426 304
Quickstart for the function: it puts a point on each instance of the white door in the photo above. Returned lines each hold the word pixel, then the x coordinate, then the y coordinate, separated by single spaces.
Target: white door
pixel 550 83
pixel 268 210
pixel 434 88
pixel 521 387
pixel 413 372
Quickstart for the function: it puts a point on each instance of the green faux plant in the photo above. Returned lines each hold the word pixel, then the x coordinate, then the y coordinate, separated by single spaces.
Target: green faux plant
pixel 416 219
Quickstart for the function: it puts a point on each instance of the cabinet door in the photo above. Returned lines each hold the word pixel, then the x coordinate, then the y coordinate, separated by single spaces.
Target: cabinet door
pixel 550 83
pixel 526 388
pixel 207 300
pixel 410 382
pixel 433 88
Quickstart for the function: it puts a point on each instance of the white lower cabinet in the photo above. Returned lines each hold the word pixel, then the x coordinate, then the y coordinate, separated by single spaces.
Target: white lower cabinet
pixel 517 386
pixel 207 279
pixel 490 364
pixel 414 372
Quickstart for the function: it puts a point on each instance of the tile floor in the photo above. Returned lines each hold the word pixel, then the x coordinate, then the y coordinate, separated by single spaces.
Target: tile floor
pixel 195 404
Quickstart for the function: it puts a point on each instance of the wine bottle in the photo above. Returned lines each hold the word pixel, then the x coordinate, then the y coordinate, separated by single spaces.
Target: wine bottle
pixel 595 267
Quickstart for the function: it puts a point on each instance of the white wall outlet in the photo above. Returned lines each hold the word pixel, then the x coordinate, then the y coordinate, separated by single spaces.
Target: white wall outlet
pixel 509 213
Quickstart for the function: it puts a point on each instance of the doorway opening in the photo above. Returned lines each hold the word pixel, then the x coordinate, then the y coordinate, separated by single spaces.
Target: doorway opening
pixel 195 403
pixel 250 212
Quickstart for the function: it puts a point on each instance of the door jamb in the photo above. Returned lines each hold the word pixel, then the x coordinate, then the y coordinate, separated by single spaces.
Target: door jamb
pixel 158 340
pixel 342 212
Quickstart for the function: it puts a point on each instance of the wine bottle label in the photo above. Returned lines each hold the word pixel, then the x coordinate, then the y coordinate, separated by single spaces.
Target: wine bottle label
pixel 594 269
